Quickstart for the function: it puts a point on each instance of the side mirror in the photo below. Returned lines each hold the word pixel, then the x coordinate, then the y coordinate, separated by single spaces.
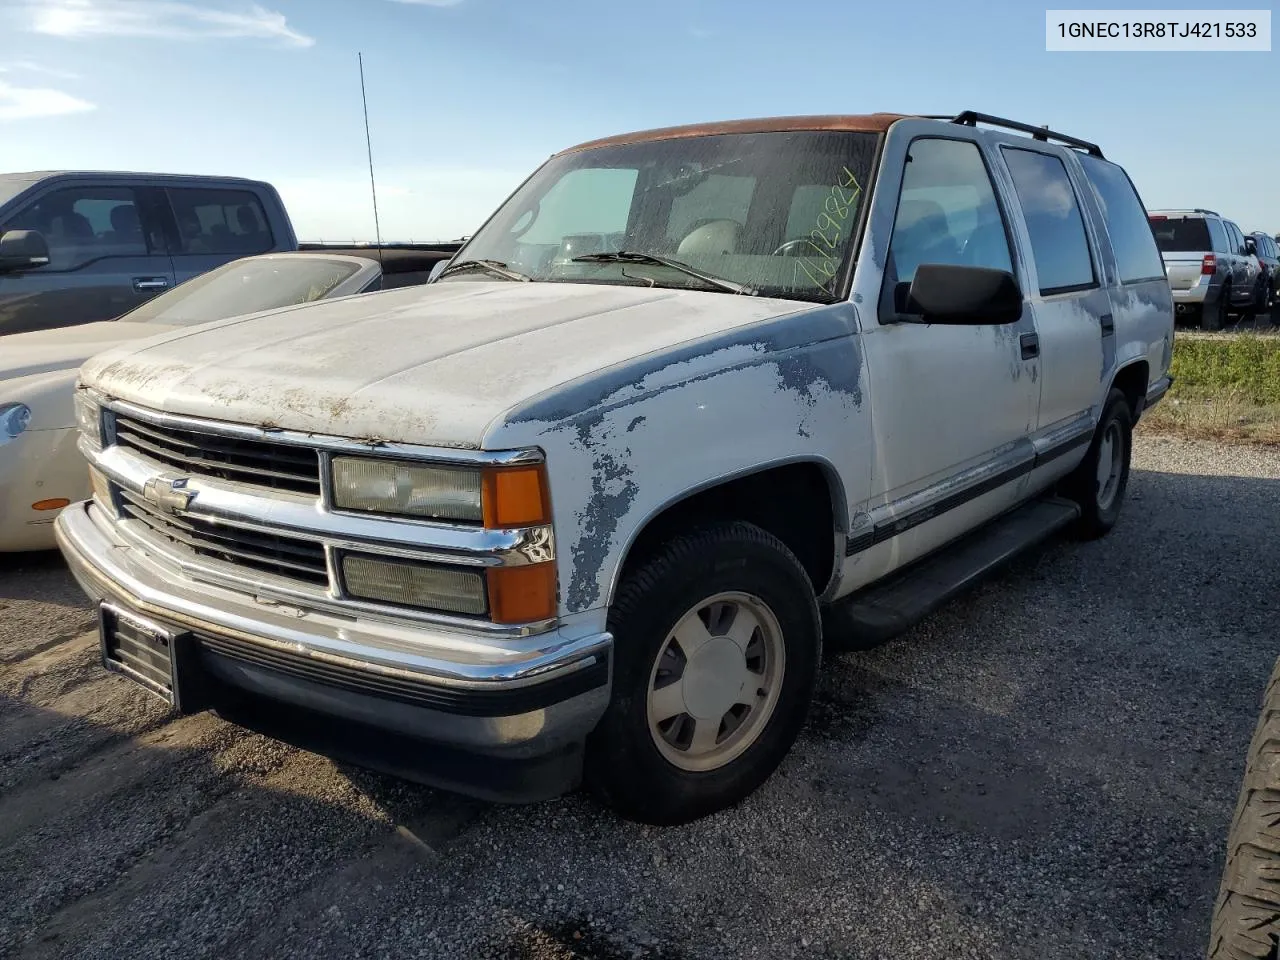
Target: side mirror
pixel 437 269
pixel 23 250
pixel 947 293
pixel 1250 245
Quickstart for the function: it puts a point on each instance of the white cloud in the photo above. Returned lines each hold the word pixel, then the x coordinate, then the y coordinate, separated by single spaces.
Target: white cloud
pixel 166 19
pixel 28 66
pixel 28 103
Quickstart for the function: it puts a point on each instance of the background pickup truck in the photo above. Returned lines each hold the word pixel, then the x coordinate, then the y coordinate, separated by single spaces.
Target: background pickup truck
pixel 692 403
pixel 76 247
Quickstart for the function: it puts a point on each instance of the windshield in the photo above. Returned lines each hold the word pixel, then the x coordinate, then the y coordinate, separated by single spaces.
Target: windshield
pixel 771 212
pixel 245 286
pixel 1181 234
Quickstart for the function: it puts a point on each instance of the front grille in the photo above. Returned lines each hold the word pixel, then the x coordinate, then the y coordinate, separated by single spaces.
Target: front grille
pixel 285 556
pixel 279 466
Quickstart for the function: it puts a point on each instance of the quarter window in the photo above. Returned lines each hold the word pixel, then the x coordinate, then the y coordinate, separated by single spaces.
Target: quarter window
pixel 220 221
pixel 1135 249
pixel 1219 234
pixel 83 224
pixel 1058 241
pixel 947 213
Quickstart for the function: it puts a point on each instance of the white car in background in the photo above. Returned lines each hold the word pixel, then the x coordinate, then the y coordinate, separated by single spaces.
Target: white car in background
pixel 41 468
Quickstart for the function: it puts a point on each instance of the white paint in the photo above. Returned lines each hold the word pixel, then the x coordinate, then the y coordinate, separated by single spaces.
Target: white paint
pixel 64 348
pixel 450 364
pixel 432 364
pixel 692 434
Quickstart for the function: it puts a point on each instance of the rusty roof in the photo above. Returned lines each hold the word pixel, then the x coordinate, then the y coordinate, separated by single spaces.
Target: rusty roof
pixel 857 123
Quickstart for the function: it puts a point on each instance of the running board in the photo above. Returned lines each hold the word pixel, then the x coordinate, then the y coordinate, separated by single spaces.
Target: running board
pixel 884 610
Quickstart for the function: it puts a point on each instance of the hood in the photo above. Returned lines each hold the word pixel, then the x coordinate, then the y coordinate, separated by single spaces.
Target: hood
pixel 65 348
pixel 434 364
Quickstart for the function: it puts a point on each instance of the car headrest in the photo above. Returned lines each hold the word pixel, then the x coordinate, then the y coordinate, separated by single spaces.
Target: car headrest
pixel 714 238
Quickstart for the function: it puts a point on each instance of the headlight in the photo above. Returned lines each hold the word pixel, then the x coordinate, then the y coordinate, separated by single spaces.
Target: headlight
pixel 412 489
pixel 415 585
pixel 89 420
pixel 498 497
pixel 14 419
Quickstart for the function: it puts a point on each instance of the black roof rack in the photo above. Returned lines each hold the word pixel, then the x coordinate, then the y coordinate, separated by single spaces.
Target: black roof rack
pixel 971 118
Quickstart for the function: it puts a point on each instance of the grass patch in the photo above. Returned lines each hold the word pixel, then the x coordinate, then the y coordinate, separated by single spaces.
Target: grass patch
pixel 1226 387
pixel 1243 365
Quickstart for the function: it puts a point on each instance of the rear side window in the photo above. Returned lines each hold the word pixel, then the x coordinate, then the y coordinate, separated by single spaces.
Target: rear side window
pixel 220 221
pixel 1131 235
pixel 1058 241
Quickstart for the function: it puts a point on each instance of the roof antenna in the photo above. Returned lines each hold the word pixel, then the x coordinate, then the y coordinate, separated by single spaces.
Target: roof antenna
pixel 364 101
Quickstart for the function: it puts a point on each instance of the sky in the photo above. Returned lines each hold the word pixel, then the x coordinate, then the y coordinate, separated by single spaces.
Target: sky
pixel 468 97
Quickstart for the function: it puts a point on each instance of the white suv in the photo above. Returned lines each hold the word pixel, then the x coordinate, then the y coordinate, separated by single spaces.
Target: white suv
pixel 1210 269
pixel 593 512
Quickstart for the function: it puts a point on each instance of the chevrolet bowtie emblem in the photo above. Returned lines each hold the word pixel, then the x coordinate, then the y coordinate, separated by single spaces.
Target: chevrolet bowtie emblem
pixel 168 492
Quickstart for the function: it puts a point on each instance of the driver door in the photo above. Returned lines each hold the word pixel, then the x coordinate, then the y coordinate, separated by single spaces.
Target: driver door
pixel 952 407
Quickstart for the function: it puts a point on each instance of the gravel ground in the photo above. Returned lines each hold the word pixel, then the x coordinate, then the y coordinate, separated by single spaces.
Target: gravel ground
pixel 1046 768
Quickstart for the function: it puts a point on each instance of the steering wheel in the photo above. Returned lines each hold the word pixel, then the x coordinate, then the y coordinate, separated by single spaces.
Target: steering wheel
pixel 785 249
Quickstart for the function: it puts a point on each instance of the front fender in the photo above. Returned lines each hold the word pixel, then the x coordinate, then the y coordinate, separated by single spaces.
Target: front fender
pixel 685 421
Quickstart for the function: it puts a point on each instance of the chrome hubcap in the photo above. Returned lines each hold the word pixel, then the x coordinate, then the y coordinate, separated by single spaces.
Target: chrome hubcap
pixel 1110 465
pixel 716 681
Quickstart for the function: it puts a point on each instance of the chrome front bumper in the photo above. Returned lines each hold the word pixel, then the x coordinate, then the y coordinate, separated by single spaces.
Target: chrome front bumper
pixel 502 697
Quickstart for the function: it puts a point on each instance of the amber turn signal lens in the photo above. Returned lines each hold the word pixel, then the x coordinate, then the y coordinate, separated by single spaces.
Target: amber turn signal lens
pixel 515 497
pixel 522 594
pixel 56 503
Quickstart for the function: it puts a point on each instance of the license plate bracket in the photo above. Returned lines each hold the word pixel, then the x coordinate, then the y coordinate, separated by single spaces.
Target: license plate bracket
pixel 157 658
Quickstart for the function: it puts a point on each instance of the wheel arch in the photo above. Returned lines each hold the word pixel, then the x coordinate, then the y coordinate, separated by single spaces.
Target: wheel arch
pixel 671 515
pixel 1132 379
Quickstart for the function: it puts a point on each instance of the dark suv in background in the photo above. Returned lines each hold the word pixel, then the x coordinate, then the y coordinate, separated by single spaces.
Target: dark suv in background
pixel 1209 266
pixel 1267 251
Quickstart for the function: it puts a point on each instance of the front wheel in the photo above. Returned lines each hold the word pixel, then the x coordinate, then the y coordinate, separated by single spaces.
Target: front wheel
pixel 717 644
pixel 1098 485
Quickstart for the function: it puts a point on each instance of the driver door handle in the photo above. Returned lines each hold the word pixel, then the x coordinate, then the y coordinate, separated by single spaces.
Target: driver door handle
pixel 1030 345
pixel 150 284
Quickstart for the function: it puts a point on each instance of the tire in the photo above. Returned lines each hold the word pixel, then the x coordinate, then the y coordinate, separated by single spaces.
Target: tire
pixel 1100 502
pixel 639 767
pixel 1249 315
pixel 1215 317
pixel 1246 917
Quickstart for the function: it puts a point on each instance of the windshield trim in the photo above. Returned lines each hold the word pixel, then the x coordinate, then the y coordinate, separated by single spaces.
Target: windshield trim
pixel 843 289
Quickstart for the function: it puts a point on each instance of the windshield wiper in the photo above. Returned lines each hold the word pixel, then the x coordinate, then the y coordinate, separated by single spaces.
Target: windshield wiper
pixel 496 267
pixel 629 256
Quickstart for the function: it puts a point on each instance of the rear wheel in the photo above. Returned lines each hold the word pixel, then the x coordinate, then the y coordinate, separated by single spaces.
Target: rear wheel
pixel 1246 918
pixel 1214 316
pixel 1098 485
pixel 717 646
